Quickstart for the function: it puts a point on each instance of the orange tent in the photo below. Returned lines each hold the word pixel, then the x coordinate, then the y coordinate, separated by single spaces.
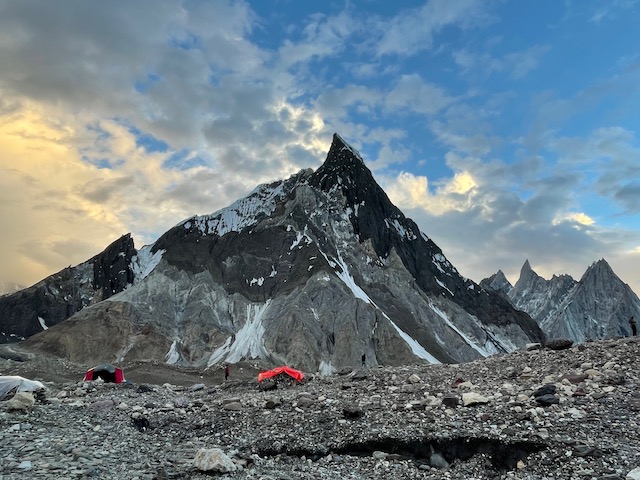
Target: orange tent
pixel 292 372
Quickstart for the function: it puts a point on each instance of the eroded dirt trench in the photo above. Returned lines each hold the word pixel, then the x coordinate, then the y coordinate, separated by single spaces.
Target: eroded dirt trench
pixel 437 453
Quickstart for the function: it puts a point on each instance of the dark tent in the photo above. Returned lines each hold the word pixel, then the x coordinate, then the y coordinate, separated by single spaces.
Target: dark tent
pixel 106 372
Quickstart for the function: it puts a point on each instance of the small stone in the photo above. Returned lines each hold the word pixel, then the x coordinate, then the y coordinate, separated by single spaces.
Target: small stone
pixel 450 400
pixel 352 412
pixel 547 400
pixel 559 344
pixel 472 398
pixel 545 390
pixel 438 461
pixel 378 455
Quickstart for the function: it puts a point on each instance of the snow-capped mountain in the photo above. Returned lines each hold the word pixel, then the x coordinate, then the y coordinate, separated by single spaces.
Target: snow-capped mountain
pixel 313 271
pixel 596 307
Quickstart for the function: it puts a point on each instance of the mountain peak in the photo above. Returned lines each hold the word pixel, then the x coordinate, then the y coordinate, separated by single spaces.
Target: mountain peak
pixel 339 145
pixel 526 273
pixel 498 281
pixel 344 166
pixel 599 269
pixel 344 170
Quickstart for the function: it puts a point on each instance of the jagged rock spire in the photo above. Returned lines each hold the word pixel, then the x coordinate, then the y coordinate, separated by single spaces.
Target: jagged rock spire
pixel 344 168
pixel 345 171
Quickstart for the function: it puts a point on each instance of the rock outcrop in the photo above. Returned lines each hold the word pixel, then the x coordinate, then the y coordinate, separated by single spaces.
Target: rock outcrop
pixel 59 296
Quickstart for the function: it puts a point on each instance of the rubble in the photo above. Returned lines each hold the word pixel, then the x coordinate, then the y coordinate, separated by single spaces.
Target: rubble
pixel 394 422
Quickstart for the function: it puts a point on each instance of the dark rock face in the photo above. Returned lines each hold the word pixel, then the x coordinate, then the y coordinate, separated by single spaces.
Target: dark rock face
pixel 62 294
pixel 112 268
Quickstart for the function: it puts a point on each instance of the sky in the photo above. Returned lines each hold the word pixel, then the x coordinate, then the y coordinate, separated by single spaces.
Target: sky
pixel 508 130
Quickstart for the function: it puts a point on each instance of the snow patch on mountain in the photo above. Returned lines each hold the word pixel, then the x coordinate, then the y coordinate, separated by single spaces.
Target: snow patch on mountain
pixel 248 341
pixel 326 368
pixel 450 324
pixel 219 353
pixel 42 324
pixel 172 356
pixel 349 281
pixel 443 286
pixel 398 227
pixel 240 214
pixel 144 261
pixel 300 236
pixel 350 148
pixel 441 263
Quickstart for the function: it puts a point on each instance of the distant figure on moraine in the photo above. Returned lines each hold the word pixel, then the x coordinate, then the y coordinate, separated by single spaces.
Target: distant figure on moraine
pixel 634 327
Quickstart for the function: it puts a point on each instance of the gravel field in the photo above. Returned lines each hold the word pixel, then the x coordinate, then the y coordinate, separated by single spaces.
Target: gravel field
pixel 541 414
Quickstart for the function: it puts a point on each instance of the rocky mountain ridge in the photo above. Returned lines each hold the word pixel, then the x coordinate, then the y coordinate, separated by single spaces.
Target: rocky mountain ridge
pixel 597 306
pixel 57 297
pixel 314 271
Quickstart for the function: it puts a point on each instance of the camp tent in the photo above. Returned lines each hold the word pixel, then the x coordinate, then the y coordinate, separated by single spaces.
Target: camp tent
pixel 106 372
pixel 292 372
pixel 13 384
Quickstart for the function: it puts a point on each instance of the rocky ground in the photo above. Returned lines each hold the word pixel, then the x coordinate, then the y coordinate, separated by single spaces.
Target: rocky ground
pixel 541 414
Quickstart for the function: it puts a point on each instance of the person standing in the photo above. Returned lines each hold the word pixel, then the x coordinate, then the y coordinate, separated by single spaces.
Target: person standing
pixel 364 359
pixel 634 326
pixel 226 372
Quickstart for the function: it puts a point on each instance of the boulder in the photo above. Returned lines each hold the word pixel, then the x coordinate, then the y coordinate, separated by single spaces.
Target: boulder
pixel 213 460
pixel 21 401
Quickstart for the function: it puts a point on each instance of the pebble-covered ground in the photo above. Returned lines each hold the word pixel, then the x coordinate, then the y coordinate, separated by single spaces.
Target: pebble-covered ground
pixel 540 414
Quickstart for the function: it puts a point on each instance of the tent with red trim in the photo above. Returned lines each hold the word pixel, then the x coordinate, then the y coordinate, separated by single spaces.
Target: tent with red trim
pixel 106 372
pixel 292 372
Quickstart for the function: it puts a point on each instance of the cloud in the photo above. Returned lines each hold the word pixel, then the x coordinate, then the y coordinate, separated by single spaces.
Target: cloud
pixel 40 207
pixel 516 65
pixel 609 10
pixel 413 30
pixel 322 36
pixel 412 93
pixel 536 220
pixel 609 159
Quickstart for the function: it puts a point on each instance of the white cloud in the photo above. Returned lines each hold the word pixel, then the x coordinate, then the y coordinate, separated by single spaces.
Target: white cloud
pixel 413 30
pixel 516 64
pixel 412 93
